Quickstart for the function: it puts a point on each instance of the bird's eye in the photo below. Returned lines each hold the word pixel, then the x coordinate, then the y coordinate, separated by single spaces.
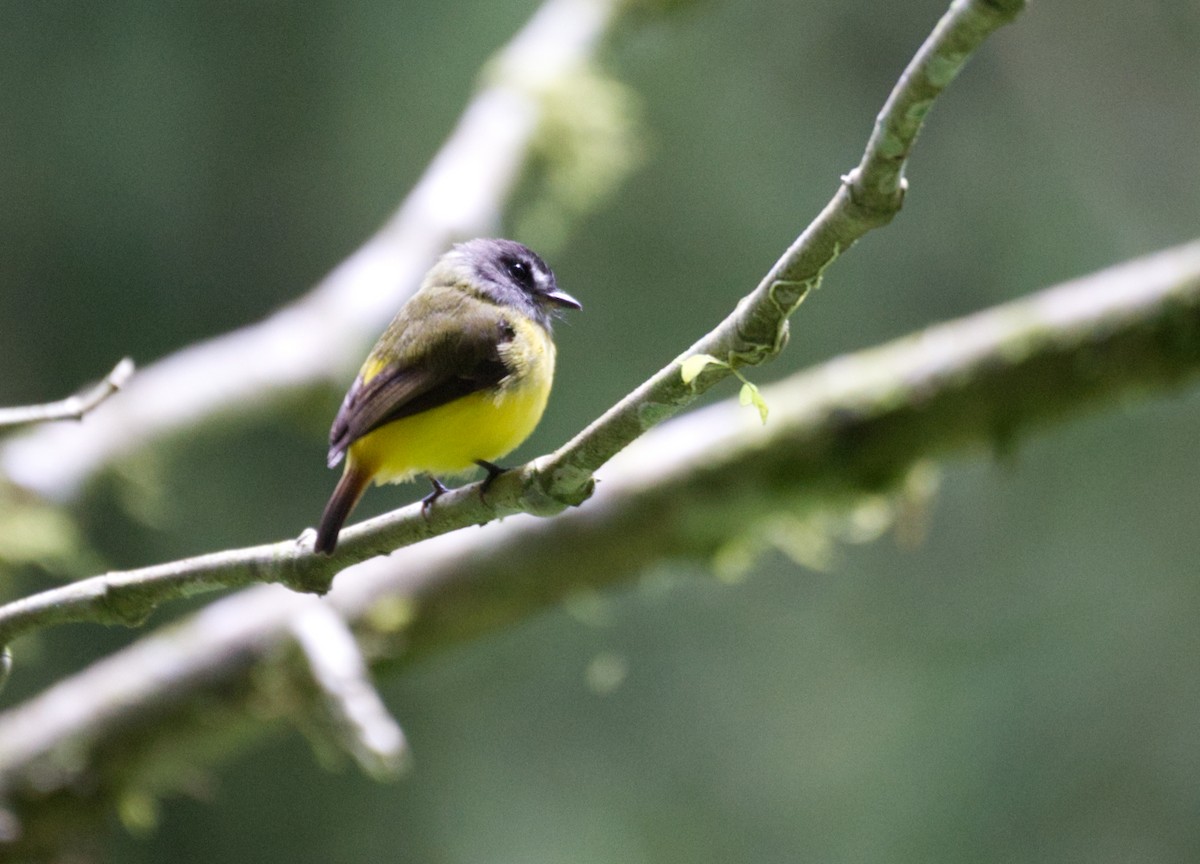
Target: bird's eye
pixel 520 271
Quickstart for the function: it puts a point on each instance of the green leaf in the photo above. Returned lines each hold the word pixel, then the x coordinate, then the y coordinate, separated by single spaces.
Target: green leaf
pixel 692 366
pixel 750 395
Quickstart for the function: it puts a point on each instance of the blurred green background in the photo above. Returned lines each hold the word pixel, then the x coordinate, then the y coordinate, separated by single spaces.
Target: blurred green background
pixel 1021 687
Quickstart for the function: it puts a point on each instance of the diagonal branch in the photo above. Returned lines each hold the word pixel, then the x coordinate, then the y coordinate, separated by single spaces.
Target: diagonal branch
pixel 756 330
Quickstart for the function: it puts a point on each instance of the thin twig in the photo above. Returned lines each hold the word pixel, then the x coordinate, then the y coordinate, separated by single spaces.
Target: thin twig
pixel 73 407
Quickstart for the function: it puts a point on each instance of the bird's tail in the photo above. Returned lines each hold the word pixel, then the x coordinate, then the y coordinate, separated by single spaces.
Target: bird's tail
pixel 349 489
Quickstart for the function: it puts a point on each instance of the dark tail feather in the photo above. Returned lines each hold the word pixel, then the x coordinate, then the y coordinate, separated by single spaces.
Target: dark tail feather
pixel 345 496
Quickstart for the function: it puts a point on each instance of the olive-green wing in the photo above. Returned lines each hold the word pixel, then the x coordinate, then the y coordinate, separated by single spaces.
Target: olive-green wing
pixel 443 355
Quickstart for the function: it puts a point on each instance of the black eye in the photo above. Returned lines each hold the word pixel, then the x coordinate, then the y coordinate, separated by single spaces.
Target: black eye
pixel 520 271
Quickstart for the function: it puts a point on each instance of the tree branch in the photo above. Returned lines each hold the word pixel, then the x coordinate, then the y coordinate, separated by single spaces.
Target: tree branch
pixel 358 721
pixel 73 407
pixel 849 429
pixel 756 330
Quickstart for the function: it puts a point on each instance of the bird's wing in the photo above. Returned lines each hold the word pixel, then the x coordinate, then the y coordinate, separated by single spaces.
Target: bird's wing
pixel 457 354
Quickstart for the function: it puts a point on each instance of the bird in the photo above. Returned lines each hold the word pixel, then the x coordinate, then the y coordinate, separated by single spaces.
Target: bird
pixel 459 379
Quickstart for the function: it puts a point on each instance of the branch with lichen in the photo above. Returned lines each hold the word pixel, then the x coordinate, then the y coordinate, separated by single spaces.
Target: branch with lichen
pixel 843 435
pixel 754 332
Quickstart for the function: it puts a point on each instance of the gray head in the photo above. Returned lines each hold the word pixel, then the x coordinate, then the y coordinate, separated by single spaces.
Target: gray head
pixel 506 273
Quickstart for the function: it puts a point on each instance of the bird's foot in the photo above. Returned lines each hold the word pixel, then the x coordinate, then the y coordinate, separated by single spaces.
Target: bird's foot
pixel 493 471
pixel 439 489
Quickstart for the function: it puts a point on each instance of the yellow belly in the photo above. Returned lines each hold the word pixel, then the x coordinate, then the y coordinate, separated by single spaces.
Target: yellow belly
pixel 447 440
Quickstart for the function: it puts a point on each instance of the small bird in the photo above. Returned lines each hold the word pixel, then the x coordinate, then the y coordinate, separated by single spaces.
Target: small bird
pixel 459 378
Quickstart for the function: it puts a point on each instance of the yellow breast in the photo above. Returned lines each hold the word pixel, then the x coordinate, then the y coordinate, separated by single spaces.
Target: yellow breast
pixel 486 425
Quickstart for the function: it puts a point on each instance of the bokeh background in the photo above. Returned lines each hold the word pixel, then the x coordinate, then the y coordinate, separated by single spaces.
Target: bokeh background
pixel 1022 686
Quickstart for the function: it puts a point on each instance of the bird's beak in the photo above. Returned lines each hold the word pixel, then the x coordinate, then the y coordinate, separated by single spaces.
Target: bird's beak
pixel 562 298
